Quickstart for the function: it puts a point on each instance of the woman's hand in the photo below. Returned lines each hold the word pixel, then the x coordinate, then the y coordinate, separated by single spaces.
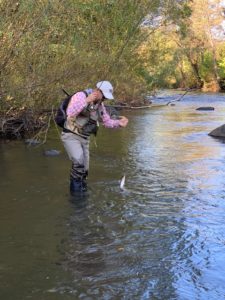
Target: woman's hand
pixel 123 121
pixel 93 97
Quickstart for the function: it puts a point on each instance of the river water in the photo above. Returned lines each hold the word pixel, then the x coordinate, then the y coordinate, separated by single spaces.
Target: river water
pixel 163 237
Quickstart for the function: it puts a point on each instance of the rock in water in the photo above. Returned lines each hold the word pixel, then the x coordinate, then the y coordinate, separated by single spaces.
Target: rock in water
pixel 218 132
pixel 51 152
pixel 205 108
pixel 32 142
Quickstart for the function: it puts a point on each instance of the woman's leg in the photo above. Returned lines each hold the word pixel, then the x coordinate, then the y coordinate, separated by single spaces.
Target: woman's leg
pixel 75 151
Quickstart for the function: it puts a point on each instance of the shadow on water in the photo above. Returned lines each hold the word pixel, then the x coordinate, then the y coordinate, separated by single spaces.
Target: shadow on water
pixel 161 238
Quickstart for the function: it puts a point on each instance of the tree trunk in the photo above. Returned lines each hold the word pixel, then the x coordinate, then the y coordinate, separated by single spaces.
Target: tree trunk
pixel 195 68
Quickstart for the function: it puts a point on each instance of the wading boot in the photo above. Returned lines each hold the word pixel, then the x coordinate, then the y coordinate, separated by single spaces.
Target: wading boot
pixel 84 185
pixel 77 186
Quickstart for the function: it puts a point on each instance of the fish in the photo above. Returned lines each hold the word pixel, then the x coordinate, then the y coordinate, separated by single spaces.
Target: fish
pixel 122 182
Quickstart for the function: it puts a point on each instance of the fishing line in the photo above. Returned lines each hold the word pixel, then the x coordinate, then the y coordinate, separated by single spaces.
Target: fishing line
pixel 178 99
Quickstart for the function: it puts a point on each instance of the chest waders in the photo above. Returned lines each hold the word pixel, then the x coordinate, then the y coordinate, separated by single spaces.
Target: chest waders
pixel 75 137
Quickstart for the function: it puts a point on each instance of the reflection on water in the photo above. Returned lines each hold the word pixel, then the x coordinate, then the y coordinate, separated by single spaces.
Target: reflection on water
pixel 161 238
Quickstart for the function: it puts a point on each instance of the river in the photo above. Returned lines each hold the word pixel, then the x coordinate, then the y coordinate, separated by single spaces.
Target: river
pixel 163 237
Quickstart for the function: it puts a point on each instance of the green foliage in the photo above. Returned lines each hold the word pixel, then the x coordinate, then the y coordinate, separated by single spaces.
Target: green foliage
pixel 206 68
pixel 221 60
pixel 191 54
pixel 46 45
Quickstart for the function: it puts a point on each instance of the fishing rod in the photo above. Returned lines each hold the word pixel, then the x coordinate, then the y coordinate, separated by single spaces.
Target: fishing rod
pixel 65 92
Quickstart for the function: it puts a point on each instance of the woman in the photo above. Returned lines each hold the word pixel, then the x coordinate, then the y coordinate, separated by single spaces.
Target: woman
pixel 84 112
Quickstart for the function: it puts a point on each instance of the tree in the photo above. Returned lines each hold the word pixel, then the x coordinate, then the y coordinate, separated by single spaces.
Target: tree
pixel 46 45
pixel 205 20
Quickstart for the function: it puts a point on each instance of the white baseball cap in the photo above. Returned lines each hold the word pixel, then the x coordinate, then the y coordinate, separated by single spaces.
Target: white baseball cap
pixel 106 89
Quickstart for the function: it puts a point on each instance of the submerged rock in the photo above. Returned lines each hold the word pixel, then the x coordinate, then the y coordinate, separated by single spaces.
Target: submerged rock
pixel 32 141
pixel 52 152
pixel 205 108
pixel 218 132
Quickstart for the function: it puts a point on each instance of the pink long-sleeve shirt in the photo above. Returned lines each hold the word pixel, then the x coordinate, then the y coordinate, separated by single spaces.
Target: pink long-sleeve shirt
pixel 78 103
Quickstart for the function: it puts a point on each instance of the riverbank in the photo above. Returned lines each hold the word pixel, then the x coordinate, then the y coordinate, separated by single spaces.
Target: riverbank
pixel 26 123
pixel 21 123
